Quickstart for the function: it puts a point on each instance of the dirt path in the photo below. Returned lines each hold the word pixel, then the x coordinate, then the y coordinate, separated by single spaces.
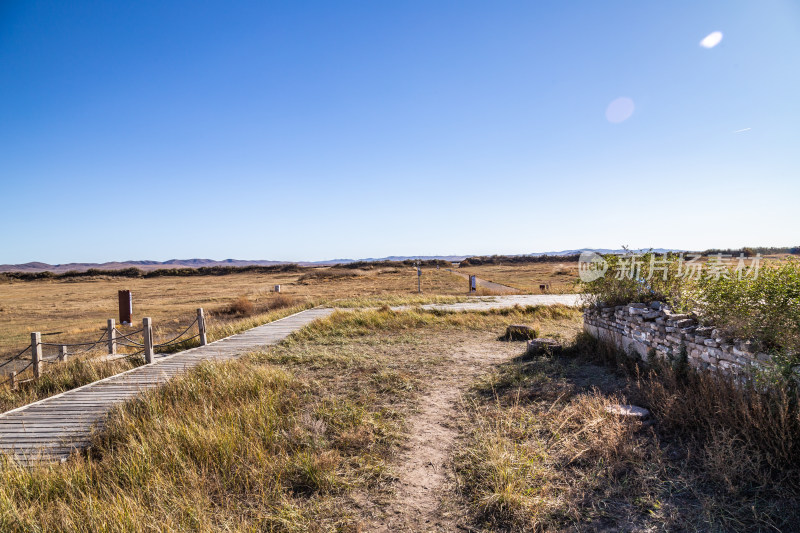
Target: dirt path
pixel 422 467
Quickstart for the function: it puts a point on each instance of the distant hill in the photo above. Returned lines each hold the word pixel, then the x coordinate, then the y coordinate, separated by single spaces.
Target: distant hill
pixel 143 265
pixel 197 263
pixel 193 263
pixel 608 251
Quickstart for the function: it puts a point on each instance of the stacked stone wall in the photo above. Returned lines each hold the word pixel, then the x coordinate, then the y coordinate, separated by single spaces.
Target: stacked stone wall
pixel 654 329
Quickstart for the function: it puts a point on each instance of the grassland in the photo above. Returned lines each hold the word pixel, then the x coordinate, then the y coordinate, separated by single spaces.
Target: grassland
pixel 300 437
pixel 77 310
pixel 527 278
pixel 58 377
pixel 317 434
pixel 562 277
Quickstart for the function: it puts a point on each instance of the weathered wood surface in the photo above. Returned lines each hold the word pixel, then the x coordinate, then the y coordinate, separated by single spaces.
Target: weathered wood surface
pixel 53 428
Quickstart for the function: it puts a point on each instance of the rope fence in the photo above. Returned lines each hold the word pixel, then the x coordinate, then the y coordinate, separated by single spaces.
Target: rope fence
pixel 128 338
pixel 172 341
pixel 112 336
pixel 90 345
pixel 15 357
pixel 131 344
pixel 175 341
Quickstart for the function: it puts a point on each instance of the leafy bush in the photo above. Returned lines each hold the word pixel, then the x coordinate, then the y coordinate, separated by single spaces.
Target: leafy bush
pixel 765 307
pixel 639 278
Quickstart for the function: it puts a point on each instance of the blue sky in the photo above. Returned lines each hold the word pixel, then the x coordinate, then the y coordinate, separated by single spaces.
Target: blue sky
pixel 314 130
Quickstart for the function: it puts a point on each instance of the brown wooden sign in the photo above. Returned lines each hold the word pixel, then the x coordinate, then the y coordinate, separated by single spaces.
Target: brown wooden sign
pixel 125 307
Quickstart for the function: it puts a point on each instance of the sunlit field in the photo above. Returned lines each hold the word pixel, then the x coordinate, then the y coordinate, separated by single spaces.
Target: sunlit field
pixel 77 310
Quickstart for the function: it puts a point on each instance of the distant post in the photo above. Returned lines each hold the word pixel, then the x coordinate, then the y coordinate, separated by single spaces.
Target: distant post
pixel 13 380
pixel 419 276
pixel 473 284
pixel 277 288
pixel 147 328
pixel 62 353
pixel 36 353
pixel 112 337
pixel 125 307
pixel 201 326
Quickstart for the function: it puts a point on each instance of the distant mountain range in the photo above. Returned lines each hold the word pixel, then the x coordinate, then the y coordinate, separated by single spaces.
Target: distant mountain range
pixel 143 265
pixel 610 251
pixel 197 263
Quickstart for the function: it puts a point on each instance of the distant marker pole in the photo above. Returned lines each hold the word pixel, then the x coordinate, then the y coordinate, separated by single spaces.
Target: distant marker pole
pixel 147 328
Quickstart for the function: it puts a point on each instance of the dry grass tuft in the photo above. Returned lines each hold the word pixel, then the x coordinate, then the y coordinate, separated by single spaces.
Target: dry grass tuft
pixel 242 306
pixel 520 459
pixel 484 291
pixel 282 301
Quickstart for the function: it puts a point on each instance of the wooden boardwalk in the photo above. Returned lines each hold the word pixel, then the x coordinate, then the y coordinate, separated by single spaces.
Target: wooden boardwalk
pixel 53 428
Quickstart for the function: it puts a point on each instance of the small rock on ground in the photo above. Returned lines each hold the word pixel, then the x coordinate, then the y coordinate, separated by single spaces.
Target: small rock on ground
pixel 628 410
pixel 543 346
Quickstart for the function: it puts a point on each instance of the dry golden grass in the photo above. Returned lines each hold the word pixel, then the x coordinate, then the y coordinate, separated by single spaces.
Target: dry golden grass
pixel 79 370
pixel 541 453
pixel 289 439
pixel 561 277
pixel 528 277
pixel 61 377
pixel 297 437
pixel 78 309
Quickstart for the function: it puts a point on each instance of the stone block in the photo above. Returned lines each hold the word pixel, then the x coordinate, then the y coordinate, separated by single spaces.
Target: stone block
pixel 543 346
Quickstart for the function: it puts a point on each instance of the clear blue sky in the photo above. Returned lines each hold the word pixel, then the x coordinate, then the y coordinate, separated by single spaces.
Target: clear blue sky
pixel 313 130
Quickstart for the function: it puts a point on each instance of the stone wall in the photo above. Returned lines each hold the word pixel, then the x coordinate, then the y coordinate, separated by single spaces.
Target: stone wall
pixel 641 329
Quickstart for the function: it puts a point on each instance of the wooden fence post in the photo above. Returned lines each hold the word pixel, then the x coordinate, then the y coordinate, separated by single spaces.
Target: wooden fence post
pixel 36 353
pixel 147 326
pixel 62 353
pixel 13 380
pixel 112 337
pixel 201 327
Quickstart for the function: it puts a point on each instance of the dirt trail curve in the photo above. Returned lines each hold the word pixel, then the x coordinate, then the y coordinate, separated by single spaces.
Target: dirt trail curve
pixel 420 501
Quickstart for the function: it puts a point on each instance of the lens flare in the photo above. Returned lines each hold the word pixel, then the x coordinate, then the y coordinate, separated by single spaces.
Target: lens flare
pixel 711 40
pixel 619 110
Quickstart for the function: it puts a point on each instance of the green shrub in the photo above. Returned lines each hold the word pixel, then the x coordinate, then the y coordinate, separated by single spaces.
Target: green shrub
pixel 639 278
pixel 765 308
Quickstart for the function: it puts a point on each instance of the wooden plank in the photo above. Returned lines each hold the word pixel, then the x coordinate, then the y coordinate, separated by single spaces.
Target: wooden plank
pixel 54 428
